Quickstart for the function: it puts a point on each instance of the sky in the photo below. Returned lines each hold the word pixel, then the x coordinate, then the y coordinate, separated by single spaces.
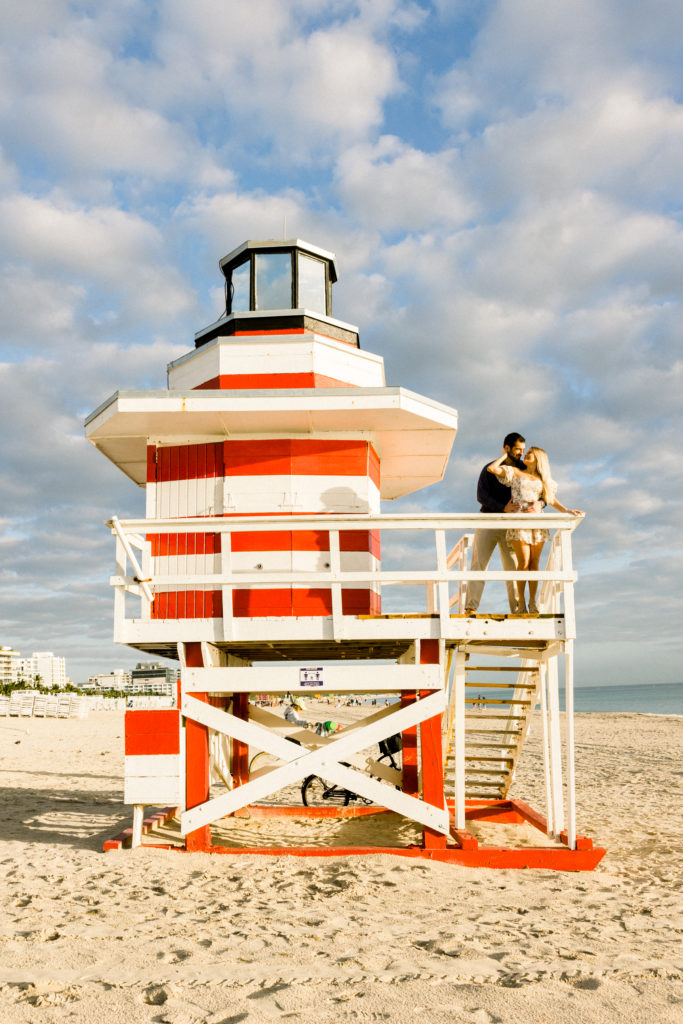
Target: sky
pixel 501 182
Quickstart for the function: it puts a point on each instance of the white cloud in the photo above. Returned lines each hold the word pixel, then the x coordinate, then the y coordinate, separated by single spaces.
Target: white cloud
pixel 531 54
pixel 68 97
pixel 121 252
pixel 297 90
pixel 395 187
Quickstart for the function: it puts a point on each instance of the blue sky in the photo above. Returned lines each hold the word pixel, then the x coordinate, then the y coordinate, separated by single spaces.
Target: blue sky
pixel 501 183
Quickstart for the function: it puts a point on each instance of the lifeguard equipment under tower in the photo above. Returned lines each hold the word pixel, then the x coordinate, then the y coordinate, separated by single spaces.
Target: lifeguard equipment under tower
pixel 258 566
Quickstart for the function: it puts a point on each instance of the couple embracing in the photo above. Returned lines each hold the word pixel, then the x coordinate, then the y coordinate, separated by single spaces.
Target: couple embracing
pixel 514 482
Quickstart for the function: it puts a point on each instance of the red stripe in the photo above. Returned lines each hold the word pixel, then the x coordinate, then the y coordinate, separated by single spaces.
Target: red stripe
pixel 251 604
pixel 157 720
pixel 184 544
pixel 360 540
pixel 287 457
pixel 305 540
pixel 300 457
pixel 189 461
pixel 268 381
pixel 152 732
pixel 261 540
pixel 188 604
pixel 151 463
pixel 148 743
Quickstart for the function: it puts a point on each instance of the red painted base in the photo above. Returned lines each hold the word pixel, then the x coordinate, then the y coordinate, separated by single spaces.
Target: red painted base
pixel 463 848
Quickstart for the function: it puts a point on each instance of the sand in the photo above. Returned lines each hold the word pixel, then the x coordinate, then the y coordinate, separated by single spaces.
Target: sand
pixel 156 935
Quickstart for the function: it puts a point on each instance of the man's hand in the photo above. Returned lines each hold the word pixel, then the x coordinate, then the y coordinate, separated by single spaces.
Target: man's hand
pixel 512 506
pixel 535 507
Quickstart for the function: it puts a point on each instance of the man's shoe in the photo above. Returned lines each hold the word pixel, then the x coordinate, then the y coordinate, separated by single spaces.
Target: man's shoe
pixel 469 612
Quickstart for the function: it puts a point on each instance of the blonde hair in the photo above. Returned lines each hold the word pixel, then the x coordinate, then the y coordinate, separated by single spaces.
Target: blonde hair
pixel 543 471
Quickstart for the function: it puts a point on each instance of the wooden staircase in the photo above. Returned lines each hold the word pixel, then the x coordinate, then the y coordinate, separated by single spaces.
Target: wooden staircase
pixel 497 721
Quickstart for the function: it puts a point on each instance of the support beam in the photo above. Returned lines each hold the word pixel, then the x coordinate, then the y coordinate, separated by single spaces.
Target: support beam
pixel 571 787
pixel 459 738
pixel 197 760
pixel 430 752
pixel 324 760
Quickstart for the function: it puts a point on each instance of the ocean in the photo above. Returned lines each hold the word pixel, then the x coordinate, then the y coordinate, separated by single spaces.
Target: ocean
pixel 645 698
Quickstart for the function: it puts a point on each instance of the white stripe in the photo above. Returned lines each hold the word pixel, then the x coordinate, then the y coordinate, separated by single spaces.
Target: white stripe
pixel 155 765
pixel 300 354
pixel 268 561
pixel 148 791
pixel 270 494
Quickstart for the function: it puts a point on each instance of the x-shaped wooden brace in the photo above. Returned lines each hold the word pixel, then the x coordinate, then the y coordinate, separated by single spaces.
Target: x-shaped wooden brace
pixel 323 761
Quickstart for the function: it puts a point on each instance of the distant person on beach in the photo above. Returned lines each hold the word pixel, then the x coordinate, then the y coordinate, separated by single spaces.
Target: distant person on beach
pixel 494 495
pixel 528 486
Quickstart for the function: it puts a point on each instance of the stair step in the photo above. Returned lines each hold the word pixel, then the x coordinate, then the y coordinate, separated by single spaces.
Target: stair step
pixel 499 718
pixel 488 747
pixel 499 700
pixel 494 731
pixel 502 686
pixel 507 760
pixel 498 668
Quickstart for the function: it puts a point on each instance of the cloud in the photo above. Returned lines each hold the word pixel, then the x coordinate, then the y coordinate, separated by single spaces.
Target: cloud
pixel 116 251
pixel 529 55
pixel 394 187
pixel 293 85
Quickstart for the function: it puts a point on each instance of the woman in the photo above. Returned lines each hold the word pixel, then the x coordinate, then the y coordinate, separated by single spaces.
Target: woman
pixel 527 486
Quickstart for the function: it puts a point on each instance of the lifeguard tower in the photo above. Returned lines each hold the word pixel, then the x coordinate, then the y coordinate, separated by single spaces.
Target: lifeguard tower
pixel 265 566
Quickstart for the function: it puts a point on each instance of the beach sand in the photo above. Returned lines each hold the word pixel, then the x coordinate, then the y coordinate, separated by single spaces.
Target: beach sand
pixel 152 935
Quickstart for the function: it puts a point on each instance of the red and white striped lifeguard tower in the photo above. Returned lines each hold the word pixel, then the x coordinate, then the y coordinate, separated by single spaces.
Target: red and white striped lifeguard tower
pixel 258 567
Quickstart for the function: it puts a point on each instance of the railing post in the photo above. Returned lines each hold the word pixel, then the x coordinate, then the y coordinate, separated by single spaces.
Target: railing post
pixel 120 588
pixel 336 588
pixel 227 590
pixel 459 738
pixel 568 587
pixel 549 811
pixel 442 586
pixel 569 698
pixel 555 744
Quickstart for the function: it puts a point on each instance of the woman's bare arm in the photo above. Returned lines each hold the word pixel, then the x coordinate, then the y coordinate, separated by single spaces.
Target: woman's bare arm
pixel 497 467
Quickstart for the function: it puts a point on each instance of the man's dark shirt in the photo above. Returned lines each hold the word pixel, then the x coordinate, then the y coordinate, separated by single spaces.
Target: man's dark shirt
pixel 492 495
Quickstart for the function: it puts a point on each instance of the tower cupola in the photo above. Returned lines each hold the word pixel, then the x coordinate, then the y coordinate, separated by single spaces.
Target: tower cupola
pixel 278 284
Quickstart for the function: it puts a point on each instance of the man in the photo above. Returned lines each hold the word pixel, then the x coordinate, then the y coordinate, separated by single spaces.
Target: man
pixel 494 496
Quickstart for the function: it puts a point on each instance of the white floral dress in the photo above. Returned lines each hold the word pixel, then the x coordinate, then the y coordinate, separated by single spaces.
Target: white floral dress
pixel 524 490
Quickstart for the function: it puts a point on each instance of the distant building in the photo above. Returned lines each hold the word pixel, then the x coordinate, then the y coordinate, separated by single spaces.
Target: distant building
pixel 9 665
pixel 116 680
pixel 153 677
pixel 51 670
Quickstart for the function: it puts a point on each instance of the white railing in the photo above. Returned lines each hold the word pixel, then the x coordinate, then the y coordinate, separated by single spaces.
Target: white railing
pixel 443 578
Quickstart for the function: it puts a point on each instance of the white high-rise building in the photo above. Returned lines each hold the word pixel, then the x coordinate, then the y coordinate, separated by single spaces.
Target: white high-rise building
pixel 116 680
pixel 51 670
pixel 9 664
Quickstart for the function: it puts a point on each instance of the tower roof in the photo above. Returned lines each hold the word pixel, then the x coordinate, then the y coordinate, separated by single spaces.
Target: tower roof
pixel 412 435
